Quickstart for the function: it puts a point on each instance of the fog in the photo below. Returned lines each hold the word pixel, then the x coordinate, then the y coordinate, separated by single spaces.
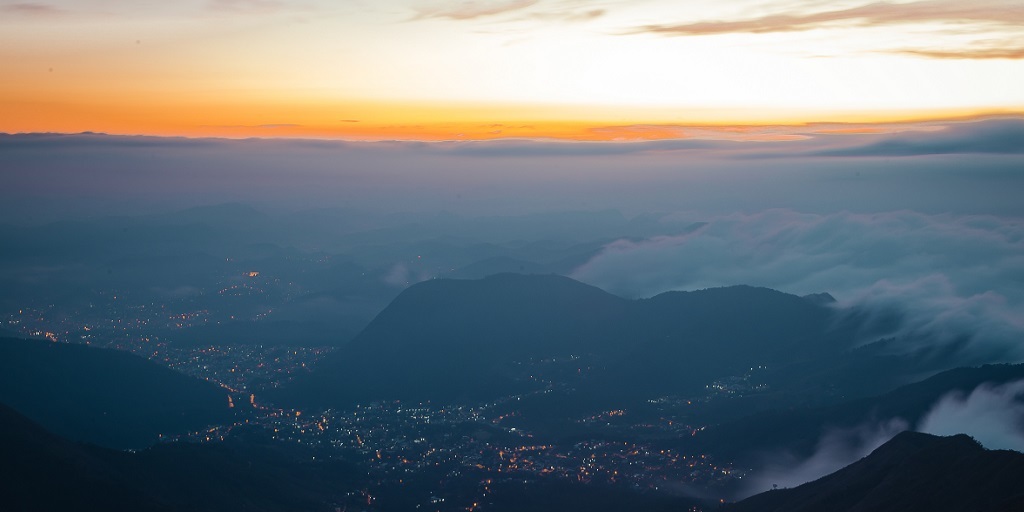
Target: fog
pixel 992 415
pixel 837 448
pixel 950 276
pixel 50 177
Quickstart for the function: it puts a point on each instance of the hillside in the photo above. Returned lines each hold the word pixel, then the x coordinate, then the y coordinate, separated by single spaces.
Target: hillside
pixel 42 471
pixel 107 397
pixel 913 472
pixel 458 340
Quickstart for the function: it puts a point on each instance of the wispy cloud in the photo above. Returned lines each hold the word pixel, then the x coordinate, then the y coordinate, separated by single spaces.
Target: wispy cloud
pixel 470 9
pixel 257 6
pixel 570 11
pixel 245 4
pixel 1009 52
pixel 568 15
pixel 31 9
pixel 1000 12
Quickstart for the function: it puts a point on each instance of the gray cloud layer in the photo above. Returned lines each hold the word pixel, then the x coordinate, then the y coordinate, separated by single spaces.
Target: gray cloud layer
pixel 993 415
pixel 953 277
pixel 996 136
pixel 966 168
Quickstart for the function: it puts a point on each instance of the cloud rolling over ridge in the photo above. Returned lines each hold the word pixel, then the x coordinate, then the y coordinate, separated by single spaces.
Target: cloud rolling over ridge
pixel 993 415
pixel 952 278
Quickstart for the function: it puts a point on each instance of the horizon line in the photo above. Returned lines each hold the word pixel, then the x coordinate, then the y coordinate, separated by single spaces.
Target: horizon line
pixel 590 132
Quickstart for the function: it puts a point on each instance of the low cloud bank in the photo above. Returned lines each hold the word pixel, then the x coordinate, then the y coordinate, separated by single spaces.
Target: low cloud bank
pixel 837 449
pixel 999 136
pixel 993 415
pixel 951 279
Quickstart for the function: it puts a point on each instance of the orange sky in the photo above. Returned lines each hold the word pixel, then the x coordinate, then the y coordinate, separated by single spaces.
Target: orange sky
pixel 437 69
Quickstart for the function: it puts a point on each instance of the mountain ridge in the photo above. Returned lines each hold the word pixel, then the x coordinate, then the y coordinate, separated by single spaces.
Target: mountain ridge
pixel 480 335
pixel 913 472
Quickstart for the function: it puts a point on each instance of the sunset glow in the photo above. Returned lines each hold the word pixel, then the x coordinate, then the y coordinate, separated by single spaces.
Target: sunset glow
pixel 433 70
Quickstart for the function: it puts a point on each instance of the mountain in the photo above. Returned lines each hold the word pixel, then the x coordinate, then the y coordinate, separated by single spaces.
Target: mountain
pixel 912 472
pixel 457 340
pixel 107 397
pixel 447 339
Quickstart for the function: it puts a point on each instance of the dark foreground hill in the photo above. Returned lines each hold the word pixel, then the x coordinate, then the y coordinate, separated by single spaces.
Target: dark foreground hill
pixel 107 397
pixel 462 340
pixel 911 473
pixel 44 472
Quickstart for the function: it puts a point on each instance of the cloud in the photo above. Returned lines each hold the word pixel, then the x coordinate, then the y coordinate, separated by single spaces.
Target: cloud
pixel 999 136
pixel 1009 52
pixel 953 279
pixel 1003 12
pixel 472 9
pixel 569 16
pixel 247 6
pixel 836 449
pixel 56 174
pixel 993 415
pixel 31 9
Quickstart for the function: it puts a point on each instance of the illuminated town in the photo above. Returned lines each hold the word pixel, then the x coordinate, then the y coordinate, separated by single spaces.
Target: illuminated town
pixel 424 446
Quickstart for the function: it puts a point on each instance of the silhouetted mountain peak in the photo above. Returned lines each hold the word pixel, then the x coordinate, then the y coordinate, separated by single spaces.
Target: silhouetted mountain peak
pixel 445 338
pixel 908 443
pixel 911 472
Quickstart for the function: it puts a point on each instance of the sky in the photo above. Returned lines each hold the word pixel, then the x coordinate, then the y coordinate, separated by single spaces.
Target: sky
pixel 465 69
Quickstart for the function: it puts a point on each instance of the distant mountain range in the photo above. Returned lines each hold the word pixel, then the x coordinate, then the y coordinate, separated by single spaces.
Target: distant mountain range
pixel 912 472
pixel 107 397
